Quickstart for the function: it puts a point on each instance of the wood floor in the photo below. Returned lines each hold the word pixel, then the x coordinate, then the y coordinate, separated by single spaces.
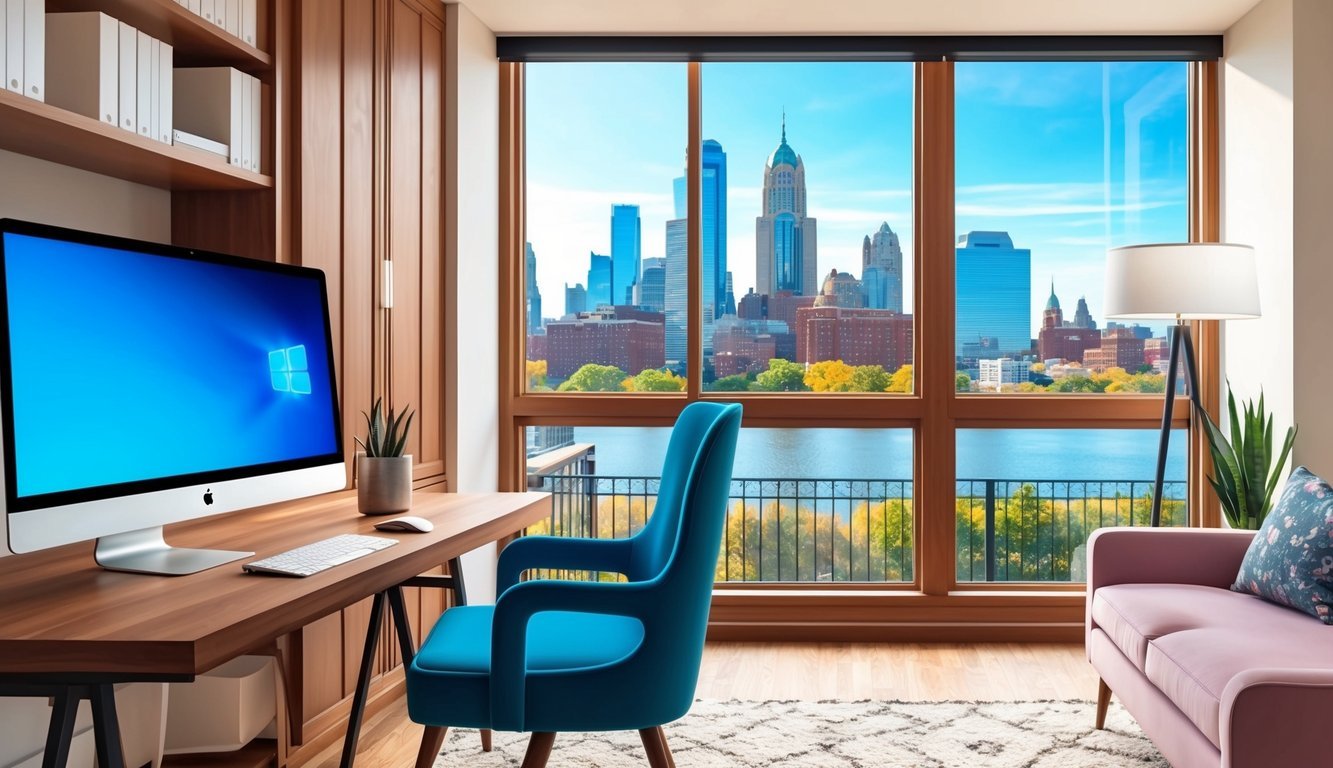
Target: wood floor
pixel 813 671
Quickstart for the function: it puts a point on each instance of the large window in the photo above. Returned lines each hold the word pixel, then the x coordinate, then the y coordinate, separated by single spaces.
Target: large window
pixel 862 253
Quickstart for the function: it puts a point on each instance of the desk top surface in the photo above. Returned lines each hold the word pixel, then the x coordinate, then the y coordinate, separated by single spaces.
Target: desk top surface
pixel 62 613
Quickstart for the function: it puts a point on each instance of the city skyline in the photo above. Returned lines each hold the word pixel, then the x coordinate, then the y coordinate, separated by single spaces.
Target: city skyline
pixel 1095 162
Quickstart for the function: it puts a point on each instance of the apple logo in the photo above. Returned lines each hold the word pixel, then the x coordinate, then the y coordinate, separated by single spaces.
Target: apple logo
pixel 208 496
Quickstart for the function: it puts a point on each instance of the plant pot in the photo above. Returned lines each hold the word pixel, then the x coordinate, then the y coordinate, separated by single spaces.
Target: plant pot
pixel 383 484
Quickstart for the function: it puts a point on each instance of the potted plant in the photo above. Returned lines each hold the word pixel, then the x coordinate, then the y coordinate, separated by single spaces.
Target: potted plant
pixel 384 473
pixel 1243 473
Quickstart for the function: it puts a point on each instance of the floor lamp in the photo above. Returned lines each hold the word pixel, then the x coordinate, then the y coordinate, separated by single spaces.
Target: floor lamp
pixel 1180 282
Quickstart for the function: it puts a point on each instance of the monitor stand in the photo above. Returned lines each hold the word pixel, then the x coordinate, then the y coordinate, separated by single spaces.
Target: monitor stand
pixel 145 551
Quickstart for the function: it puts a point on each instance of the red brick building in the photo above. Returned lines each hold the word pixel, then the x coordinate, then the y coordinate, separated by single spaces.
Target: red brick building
pixel 1067 343
pixel 631 339
pixel 1120 348
pixel 855 336
pixel 741 346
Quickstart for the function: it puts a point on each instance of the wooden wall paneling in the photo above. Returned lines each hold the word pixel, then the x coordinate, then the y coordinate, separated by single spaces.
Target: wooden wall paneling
pixel 430 459
pixel 359 302
pixel 321 666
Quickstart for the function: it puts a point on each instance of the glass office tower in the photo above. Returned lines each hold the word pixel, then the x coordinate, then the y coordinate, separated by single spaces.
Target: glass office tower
pixel 626 252
pixel 994 295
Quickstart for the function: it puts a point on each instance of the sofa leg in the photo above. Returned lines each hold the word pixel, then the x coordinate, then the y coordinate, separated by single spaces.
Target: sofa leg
pixel 1103 701
pixel 539 750
pixel 431 742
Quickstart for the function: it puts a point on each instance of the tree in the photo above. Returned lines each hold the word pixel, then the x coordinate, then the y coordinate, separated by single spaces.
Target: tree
pixel 655 380
pixel 594 378
pixel 829 376
pixel 738 383
pixel 869 378
pixel 1079 384
pixel 962 382
pixel 901 381
pixel 1037 367
pixel 536 370
pixel 781 376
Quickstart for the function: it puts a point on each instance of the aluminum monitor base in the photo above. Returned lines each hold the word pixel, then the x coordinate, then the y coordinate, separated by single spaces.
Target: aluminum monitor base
pixel 146 551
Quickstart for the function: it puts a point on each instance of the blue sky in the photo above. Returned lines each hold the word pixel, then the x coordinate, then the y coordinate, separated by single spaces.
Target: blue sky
pixel 1069 158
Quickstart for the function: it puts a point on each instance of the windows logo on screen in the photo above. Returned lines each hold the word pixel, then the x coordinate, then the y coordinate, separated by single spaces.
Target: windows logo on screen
pixel 289 371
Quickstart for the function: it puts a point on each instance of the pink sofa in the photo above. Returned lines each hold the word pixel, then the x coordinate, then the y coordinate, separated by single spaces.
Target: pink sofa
pixel 1214 677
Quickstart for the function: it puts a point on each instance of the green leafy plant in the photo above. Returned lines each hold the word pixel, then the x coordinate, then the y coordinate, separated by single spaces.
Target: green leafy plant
pixel 385 436
pixel 1243 473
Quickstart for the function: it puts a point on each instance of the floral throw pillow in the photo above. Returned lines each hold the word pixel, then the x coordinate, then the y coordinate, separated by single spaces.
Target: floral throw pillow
pixel 1290 561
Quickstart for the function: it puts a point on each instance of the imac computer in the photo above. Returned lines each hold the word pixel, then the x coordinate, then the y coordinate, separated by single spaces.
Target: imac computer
pixel 144 384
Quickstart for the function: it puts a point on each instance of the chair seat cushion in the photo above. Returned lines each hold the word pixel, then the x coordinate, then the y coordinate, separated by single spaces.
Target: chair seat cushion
pixel 1135 614
pixel 1192 668
pixel 448 681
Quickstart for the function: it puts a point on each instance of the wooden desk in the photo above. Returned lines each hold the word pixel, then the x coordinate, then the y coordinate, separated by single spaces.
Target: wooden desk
pixel 65 622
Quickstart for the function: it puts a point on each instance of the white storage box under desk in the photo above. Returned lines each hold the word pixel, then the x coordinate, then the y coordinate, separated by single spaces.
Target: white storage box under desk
pixel 223 709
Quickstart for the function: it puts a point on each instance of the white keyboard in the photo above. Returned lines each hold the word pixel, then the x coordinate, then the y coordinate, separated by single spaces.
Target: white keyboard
pixel 320 555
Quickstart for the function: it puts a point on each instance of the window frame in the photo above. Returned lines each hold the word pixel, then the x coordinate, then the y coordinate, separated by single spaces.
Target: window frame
pixel 934 606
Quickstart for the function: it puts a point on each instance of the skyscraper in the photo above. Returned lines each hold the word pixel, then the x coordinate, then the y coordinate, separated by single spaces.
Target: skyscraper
pixel 626 252
pixel 576 299
pixel 652 285
pixel 714 234
pixel 1082 317
pixel 676 293
pixel 785 240
pixel 599 281
pixel 993 283
pixel 882 270
pixel 533 297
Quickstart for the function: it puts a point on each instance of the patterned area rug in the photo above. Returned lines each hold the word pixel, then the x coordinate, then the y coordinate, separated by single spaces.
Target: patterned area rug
pixel 839 734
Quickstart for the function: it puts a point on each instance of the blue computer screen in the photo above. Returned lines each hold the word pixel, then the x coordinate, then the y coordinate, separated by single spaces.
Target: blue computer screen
pixel 129 366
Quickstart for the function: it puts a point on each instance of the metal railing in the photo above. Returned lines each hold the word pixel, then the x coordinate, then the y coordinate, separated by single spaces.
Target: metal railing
pixel 856 530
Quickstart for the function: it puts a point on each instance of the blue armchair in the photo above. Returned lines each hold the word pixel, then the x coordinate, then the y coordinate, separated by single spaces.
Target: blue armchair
pixel 554 656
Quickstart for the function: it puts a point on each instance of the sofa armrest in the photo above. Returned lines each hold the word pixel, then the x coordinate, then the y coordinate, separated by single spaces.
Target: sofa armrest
pixel 1272 717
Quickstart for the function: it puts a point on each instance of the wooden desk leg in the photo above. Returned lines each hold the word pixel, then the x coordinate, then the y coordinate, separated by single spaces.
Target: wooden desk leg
pixel 106 726
pixel 58 737
pixel 362 681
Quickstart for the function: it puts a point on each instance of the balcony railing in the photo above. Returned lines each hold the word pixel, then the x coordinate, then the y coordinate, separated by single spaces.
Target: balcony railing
pixel 858 530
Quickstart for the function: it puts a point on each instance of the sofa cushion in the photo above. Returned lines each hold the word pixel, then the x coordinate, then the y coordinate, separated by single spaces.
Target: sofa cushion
pixel 1192 668
pixel 1135 614
pixel 1290 561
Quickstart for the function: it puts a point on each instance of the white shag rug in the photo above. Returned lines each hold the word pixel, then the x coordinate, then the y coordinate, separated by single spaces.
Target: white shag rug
pixel 850 734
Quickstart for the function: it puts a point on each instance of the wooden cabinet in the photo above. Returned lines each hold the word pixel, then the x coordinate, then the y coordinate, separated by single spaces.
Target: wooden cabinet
pixel 367 191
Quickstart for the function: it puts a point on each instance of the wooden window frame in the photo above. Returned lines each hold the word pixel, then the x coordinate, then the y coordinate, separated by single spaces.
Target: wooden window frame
pixel 934 606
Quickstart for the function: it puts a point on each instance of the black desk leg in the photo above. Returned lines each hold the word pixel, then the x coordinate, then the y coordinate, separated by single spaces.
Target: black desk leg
pixel 61 733
pixel 456 573
pixel 106 726
pixel 398 607
pixel 363 680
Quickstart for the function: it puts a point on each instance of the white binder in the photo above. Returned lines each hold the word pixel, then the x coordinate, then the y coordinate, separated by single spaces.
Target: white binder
pixel 208 104
pixel 83 64
pixel 129 78
pixel 206 9
pixel 249 21
pixel 143 101
pixel 231 20
pixel 193 5
pixel 4 43
pixel 256 124
pixel 14 45
pixel 164 70
pixel 34 49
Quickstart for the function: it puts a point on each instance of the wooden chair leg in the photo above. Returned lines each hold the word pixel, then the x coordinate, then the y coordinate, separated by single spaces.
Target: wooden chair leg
pixel 1103 701
pixel 485 739
pixel 654 743
pixel 539 750
pixel 431 742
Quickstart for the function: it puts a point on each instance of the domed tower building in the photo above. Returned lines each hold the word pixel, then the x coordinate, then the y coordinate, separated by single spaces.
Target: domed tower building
pixel 785 241
pixel 1053 316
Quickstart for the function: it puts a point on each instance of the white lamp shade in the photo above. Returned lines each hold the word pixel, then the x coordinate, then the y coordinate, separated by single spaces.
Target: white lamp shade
pixel 1190 281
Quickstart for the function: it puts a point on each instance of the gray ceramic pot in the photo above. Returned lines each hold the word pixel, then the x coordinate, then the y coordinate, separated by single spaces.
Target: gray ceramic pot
pixel 383 484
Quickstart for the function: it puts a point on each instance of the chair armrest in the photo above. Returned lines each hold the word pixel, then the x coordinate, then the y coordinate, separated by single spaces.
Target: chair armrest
pixel 559 552
pixel 1204 556
pixel 1271 717
pixel 509 631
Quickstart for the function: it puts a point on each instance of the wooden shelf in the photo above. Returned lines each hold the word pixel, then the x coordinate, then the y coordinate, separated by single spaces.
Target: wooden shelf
pixel 196 42
pixel 34 128
pixel 260 753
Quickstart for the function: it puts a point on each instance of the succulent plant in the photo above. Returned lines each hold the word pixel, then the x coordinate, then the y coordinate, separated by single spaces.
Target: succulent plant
pixel 385 437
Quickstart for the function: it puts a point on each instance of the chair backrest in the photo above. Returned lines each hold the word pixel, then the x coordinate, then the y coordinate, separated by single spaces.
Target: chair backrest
pixel 679 549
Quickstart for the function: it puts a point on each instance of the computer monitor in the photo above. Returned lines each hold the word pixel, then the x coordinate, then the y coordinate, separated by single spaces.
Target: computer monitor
pixel 143 384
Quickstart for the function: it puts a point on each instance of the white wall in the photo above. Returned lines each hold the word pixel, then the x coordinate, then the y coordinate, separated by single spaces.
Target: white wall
pixel 1276 165
pixel 472 198
pixel 56 194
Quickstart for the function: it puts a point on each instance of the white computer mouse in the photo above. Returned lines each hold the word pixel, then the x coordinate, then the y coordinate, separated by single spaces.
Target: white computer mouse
pixel 408 523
